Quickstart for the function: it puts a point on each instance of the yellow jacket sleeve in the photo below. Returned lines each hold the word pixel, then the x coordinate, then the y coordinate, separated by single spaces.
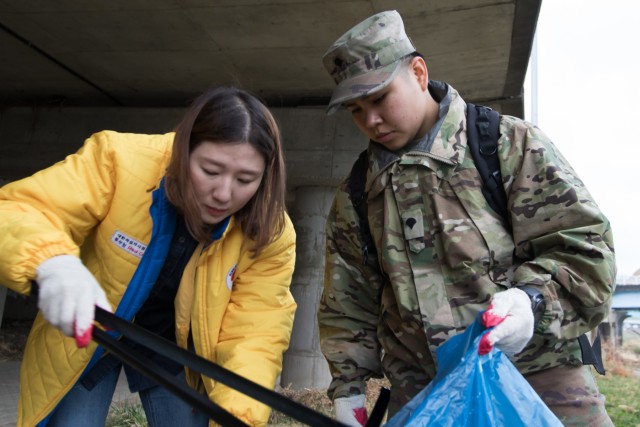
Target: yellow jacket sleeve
pixel 51 212
pixel 256 327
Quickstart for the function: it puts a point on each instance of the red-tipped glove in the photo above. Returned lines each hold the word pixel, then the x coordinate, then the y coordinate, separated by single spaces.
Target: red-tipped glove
pixel 68 295
pixel 351 411
pixel 511 314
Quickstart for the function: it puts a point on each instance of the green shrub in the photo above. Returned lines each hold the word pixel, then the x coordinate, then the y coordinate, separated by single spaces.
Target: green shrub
pixel 622 398
pixel 126 414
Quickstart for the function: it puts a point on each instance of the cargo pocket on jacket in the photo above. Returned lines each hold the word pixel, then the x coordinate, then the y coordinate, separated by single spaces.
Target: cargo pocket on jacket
pixel 413 227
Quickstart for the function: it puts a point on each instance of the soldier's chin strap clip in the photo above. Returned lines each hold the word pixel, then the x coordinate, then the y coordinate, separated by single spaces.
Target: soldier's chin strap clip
pixel 207 368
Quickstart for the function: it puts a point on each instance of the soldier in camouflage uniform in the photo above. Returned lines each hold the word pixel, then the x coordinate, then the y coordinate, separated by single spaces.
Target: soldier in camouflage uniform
pixel 442 255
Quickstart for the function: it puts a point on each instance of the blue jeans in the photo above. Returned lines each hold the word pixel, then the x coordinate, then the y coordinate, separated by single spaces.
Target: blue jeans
pixel 89 408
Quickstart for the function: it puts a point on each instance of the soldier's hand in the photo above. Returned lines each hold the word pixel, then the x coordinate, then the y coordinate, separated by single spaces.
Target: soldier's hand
pixel 351 411
pixel 511 315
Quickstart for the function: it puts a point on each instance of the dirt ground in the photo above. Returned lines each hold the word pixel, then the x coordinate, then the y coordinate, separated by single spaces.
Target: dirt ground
pixel 13 337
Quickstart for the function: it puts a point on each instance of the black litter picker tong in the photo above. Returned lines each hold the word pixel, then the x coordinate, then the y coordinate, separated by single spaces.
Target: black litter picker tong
pixel 216 372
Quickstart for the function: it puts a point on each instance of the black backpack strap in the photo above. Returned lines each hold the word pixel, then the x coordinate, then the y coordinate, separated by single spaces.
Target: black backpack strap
pixel 592 353
pixel 357 181
pixel 483 132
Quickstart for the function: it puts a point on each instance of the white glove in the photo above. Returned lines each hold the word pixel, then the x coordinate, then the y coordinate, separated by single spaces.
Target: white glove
pixel 351 411
pixel 510 312
pixel 68 295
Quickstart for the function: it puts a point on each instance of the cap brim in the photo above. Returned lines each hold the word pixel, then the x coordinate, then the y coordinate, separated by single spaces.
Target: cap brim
pixel 362 85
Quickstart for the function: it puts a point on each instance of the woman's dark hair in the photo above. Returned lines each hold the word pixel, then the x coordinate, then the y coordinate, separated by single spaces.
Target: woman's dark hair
pixel 229 114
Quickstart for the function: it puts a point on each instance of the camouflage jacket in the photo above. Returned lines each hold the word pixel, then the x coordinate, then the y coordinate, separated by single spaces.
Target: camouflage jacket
pixel 444 252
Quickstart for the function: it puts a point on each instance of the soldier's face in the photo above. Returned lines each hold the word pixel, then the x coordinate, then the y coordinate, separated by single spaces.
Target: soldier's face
pixel 394 115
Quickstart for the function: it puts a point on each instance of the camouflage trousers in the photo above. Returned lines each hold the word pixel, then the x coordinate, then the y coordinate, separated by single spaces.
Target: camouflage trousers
pixel 572 394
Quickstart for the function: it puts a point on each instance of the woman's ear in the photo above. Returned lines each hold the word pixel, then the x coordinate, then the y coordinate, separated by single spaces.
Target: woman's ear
pixel 419 69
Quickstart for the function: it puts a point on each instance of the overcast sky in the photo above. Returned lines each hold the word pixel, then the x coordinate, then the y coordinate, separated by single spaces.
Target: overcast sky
pixel 588 103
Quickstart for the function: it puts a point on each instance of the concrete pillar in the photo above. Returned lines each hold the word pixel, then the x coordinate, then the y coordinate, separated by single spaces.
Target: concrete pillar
pixel 304 364
pixel 620 316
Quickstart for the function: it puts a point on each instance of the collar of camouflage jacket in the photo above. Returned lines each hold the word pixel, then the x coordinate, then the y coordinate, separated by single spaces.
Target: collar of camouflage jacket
pixel 442 147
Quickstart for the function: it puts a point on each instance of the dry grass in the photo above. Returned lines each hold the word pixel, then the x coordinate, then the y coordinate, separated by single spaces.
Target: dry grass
pixel 623 361
pixel 620 385
pixel 317 400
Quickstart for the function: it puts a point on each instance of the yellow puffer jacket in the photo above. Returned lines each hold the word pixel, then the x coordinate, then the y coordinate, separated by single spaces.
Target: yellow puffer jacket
pixel 102 204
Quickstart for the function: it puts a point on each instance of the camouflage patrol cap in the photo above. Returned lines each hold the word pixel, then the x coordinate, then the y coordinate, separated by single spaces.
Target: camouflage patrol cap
pixel 366 58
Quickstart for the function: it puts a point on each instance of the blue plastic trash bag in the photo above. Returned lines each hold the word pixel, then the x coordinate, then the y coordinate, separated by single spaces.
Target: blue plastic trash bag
pixel 474 390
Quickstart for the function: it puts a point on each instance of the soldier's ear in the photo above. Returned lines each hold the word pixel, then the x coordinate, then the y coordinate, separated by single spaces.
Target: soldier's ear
pixel 418 69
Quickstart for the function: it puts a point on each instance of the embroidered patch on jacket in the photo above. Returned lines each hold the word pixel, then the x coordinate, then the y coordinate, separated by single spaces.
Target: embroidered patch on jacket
pixel 128 244
pixel 231 276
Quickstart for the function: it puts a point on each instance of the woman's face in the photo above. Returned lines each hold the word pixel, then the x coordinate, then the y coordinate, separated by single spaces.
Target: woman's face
pixel 225 176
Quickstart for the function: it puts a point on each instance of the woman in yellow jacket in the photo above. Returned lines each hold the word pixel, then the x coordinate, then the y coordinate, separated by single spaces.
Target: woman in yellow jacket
pixel 184 234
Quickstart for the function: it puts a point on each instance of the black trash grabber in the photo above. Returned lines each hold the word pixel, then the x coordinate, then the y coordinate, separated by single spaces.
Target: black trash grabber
pixel 216 372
